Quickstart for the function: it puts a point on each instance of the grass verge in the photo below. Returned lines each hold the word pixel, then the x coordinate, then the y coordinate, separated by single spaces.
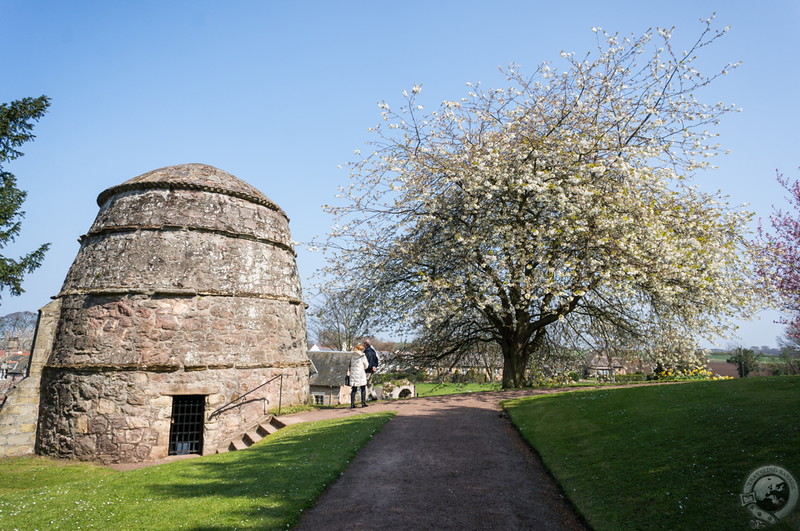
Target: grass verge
pixel 439 389
pixel 666 456
pixel 266 486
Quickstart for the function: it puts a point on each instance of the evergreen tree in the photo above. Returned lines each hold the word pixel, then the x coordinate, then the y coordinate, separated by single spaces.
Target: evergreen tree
pixel 15 129
pixel 745 359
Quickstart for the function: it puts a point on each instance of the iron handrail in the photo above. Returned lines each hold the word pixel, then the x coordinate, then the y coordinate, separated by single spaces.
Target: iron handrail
pixel 229 405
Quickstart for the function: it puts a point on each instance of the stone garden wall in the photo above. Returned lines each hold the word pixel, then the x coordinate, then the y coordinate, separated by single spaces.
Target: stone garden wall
pixel 20 412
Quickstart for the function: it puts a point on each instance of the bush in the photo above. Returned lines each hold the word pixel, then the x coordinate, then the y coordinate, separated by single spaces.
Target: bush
pixel 476 376
pixel 787 364
pixel 637 377
pixel 382 377
pixel 540 379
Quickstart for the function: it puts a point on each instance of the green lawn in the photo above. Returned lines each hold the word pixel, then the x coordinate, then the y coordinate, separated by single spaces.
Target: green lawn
pixel 438 389
pixel 266 486
pixel 668 456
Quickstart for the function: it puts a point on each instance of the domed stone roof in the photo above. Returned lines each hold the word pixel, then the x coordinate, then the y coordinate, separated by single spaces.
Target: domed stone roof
pixel 189 227
pixel 191 177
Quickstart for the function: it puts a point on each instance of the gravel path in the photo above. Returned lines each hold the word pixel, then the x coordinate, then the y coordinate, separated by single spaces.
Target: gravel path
pixel 451 462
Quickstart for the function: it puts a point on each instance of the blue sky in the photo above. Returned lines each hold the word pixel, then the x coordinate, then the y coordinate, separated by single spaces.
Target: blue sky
pixel 281 93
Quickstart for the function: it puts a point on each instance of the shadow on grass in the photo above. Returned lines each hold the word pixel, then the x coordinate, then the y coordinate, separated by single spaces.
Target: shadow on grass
pixel 275 480
pixel 266 486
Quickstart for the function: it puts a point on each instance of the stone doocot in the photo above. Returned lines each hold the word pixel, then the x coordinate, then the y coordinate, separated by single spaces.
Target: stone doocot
pixel 185 286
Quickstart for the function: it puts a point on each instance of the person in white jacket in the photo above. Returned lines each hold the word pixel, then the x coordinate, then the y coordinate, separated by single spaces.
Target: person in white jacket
pixel 358 375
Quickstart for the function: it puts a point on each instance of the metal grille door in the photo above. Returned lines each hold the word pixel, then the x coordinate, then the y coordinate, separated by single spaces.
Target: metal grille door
pixel 186 427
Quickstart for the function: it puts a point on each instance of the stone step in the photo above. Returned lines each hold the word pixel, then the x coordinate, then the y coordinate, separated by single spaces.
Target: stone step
pixel 267 429
pixel 251 437
pixel 267 426
pixel 237 444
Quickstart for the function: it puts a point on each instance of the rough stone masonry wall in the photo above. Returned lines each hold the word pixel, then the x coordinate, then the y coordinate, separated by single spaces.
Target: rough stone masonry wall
pixel 126 418
pixel 120 362
pixel 20 412
pixel 196 241
pixel 167 332
pixel 110 399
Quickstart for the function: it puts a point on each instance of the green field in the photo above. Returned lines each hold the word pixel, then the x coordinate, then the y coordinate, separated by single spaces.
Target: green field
pixel 266 486
pixel 719 357
pixel 668 456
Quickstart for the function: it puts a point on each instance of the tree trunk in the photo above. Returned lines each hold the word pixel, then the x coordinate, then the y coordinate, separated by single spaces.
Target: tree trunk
pixel 515 363
pixel 517 349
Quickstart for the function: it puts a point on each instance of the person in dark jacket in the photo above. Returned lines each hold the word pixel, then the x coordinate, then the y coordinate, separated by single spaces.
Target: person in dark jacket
pixel 372 358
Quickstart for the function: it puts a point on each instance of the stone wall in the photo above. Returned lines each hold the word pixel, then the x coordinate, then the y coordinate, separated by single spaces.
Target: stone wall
pixel 163 332
pixel 19 415
pixel 111 399
pixel 125 416
pixel 332 396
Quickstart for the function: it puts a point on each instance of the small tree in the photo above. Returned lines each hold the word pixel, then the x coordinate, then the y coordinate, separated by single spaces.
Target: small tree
pixel 745 359
pixel 19 326
pixel 789 360
pixel 788 363
pixel 15 129
pixel 341 318
pixel 791 338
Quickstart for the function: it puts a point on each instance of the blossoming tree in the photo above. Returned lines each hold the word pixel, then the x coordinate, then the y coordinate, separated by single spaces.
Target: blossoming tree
pixel 779 255
pixel 557 206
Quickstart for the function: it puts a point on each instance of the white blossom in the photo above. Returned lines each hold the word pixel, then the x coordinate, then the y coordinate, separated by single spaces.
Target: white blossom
pixel 559 206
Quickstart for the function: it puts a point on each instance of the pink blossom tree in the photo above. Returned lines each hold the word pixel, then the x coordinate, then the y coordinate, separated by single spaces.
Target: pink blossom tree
pixel 779 253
